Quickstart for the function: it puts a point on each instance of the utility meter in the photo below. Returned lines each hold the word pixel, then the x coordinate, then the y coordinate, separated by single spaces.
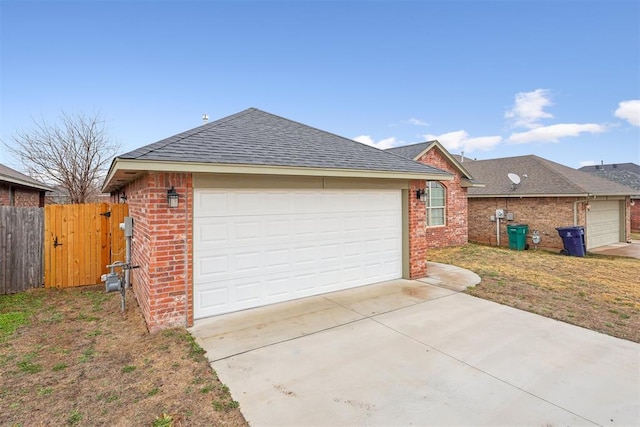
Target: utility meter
pixel 535 238
pixel 127 226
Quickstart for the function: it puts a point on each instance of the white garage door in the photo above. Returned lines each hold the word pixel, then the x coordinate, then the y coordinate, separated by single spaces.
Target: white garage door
pixel 603 223
pixel 257 247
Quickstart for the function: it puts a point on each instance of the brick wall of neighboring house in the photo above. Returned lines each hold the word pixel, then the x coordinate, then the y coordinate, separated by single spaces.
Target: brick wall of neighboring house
pixel 4 195
pixel 163 248
pixel 634 213
pixel 455 231
pixel 22 196
pixel 539 213
pixel 417 233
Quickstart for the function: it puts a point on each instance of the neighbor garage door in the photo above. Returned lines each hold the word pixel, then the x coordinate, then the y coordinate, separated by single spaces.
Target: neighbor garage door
pixel 603 223
pixel 257 247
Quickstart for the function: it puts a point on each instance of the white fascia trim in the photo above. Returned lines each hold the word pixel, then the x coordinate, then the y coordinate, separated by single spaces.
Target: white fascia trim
pixel 155 166
pixel 24 183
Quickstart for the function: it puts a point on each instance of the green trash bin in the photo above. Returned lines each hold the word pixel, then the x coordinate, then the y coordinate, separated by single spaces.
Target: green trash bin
pixel 517 236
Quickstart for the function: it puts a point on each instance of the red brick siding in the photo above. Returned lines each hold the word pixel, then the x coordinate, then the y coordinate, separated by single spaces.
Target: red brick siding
pixel 4 195
pixel 163 247
pixel 540 213
pixel 455 231
pixel 634 216
pixel 22 196
pixel 417 233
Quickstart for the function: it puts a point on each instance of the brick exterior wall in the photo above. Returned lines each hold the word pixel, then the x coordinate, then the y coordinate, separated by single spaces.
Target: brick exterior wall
pixel 22 196
pixel 455 232
pixel 417 233
pixel 539 213
pixel 634 212
pixel 4 195
pixel 163 248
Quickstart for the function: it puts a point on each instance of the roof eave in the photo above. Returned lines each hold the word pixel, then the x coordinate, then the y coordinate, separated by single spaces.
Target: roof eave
pixel 585 195
pixel 510 195
pixel 24 183
pixel 123 171
pixel 466 183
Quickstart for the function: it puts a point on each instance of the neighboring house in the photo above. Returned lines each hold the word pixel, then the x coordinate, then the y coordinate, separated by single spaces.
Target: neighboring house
pixel 446 218
pixel 269 210
pixel 626 174
pixel 549 195
pixel 60 196
pixel 18 189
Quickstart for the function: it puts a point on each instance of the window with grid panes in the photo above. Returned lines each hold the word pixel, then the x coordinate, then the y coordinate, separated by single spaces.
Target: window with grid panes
pixel 436 200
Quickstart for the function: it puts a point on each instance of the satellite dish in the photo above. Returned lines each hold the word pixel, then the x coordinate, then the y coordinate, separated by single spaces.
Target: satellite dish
pixel 514 178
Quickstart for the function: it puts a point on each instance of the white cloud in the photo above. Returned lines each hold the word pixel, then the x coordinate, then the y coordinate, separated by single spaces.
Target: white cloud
pixel 365 139
pixel 527 110
pixel 415 122
pixel 460 141
pixel 383 144
pixel 629 111
pixel 554 132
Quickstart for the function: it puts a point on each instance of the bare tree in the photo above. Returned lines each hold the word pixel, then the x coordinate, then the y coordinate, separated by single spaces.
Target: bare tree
pixel 73 154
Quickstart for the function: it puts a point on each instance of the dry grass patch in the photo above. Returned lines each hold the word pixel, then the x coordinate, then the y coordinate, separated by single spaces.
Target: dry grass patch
pixel 597 292
pixel 70 357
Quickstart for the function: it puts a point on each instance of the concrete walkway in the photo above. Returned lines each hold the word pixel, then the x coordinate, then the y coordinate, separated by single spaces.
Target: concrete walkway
pixel 419 353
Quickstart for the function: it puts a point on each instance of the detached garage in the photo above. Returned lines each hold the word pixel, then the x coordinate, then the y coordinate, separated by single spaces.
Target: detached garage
pixel 268 210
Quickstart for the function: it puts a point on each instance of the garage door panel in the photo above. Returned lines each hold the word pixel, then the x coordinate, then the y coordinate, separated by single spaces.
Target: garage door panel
pixel 271 259
pixel 247 231
pixel 291 243
pixel 247 291
pixel 212 298
pixel 211 266
pixel 277 287
pixel 603 223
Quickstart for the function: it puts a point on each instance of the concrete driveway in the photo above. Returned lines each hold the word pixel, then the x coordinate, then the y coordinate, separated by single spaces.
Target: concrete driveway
pixel 419 353
pixel 631 250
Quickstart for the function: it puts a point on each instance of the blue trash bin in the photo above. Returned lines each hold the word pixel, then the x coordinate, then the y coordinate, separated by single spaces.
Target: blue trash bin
pixel 573 240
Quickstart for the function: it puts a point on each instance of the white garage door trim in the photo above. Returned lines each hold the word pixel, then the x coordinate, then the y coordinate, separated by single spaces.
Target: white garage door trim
pixel 258 247
pixel 603 223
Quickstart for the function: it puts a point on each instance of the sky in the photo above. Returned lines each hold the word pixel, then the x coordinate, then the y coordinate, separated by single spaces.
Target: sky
pixel 558 79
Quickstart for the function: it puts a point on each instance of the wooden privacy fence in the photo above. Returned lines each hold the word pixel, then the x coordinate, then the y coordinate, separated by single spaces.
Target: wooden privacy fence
pixel 80 240
pixel 21 237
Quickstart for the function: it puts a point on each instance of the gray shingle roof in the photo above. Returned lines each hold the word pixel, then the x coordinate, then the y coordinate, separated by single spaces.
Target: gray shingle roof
pixel 538 177
pixel 410 151
pixel 622 173
pixel 11 175
pixel 255 137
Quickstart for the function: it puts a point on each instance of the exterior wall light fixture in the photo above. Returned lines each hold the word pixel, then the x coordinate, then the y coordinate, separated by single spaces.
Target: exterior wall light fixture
pixel 123 198
pixel 172 198
pixel 421 195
